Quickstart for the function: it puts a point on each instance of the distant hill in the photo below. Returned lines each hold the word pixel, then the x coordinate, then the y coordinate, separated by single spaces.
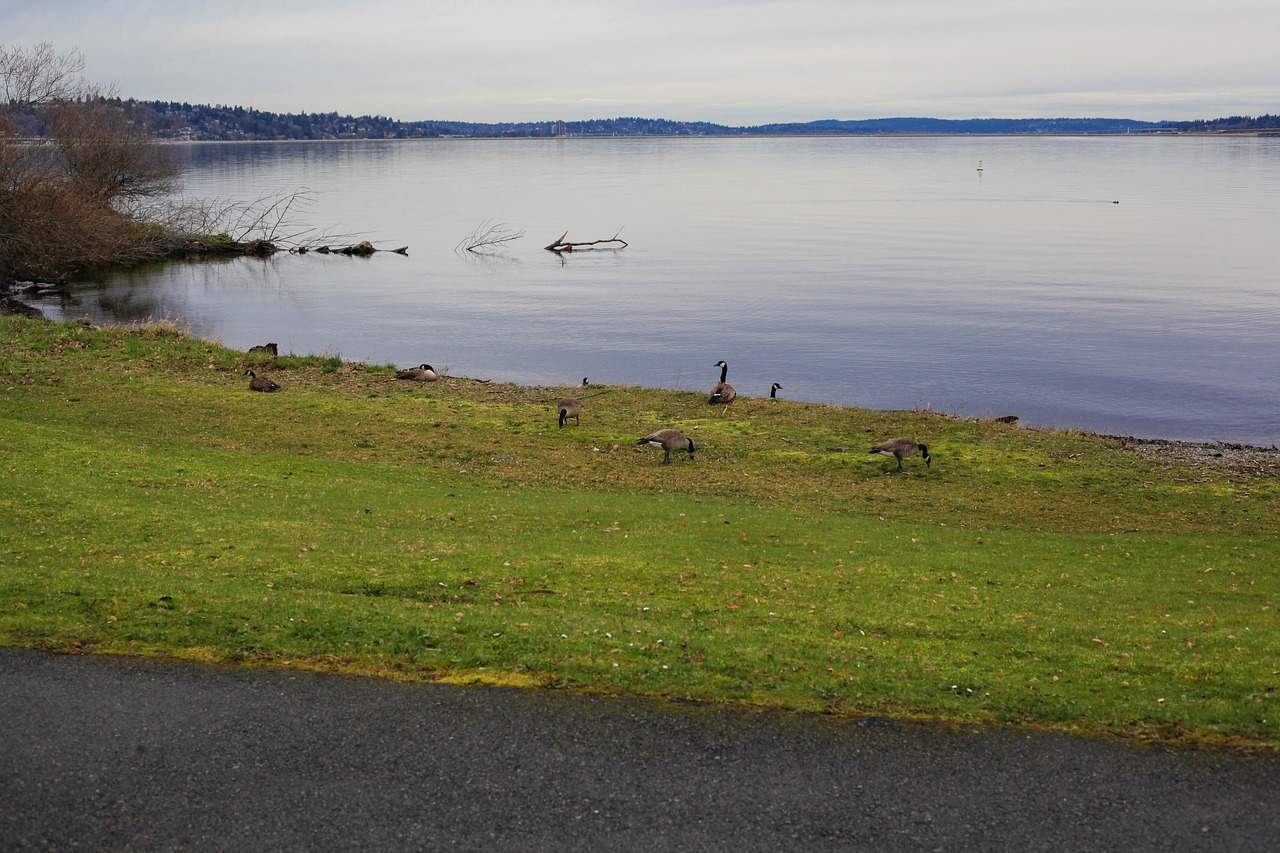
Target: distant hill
pixel 974 126
pixel 174 120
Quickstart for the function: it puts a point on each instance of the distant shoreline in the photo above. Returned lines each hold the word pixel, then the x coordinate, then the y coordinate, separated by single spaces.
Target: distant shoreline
pixel 687 137
pixel 1253 458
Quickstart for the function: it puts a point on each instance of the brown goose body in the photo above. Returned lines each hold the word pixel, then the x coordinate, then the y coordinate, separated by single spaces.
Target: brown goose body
pixel 270 349
pixel 722 392
pixel 421 373
pixel 569 407
pixel 902 447
pixel 669 440
pixel 260 383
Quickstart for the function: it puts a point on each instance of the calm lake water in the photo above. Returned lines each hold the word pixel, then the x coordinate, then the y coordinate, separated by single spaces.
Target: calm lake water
pixel 1126 285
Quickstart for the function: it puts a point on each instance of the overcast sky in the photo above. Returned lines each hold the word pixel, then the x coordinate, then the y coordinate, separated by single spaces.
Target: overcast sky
pixel 736 62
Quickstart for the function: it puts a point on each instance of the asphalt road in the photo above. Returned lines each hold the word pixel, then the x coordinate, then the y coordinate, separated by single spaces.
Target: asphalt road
pixel 125 754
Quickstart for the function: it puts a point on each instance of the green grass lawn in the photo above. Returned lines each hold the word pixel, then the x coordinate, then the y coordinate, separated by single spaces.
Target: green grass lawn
pixel 151 504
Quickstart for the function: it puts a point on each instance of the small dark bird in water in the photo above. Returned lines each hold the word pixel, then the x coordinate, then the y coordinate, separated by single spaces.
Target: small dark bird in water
pixel 723 392
pixel 421 373
pixel 260 383
pixel 569 407
pixel 899 448
pixel 669 440
pixel 267 348
pixel 773 392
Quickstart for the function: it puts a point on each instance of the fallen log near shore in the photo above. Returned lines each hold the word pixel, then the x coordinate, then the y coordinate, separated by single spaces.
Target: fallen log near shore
pixel 266 248
pixel 362 249
pixel 256 248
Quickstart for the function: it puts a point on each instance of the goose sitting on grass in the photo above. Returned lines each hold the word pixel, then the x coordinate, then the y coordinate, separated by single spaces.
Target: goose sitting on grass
pixel 421 373
pixel 260 383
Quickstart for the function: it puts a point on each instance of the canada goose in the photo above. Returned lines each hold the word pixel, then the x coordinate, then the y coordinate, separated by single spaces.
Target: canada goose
pixel 421 373
pixel 569 407
pixel 260 383
pixel 722 392
pixel 902 447
pixel 773 391
pixel 584 383
pixel 669 440
pixel 267 348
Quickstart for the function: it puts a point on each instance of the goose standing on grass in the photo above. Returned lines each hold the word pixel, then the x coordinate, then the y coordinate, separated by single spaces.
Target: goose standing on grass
pixel 901 447
pixel 584 383
pixel 260 383
pixel 421 373
pixel 723 392
pixel 569 407
pixel 668 440
pixel 773 391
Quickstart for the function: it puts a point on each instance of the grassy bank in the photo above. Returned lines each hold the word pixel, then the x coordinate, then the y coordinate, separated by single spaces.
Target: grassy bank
pixel 151 504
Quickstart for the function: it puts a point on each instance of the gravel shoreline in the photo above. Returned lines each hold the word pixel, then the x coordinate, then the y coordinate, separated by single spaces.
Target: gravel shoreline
pixel 1242 459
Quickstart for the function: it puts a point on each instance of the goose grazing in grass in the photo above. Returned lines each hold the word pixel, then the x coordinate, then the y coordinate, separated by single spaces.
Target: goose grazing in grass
pixel 421 373
pixel 669 440
pixel 723 392
pixel 585 383
pixel 569 407
pixel 269 349
pixel 773 391
pixel 900 448
pixel 260 383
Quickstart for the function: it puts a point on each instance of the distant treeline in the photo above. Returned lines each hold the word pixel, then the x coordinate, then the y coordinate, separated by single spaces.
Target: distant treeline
pixel 1226 125
pixel 174 120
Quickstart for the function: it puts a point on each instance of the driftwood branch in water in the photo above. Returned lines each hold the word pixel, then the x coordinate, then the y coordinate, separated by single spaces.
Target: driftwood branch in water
pixel 562 245
pixel 486 236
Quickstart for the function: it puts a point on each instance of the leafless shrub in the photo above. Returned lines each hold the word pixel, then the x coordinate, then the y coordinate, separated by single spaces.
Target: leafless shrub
pixel 81 186
pixel 31 76
pixel 74 173
pixel 271 217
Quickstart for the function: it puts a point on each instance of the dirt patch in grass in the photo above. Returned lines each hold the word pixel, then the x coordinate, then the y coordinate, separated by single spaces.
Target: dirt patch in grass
pixel 1237 458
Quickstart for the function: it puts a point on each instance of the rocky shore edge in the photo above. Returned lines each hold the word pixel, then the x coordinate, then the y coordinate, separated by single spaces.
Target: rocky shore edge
pixel 1238 458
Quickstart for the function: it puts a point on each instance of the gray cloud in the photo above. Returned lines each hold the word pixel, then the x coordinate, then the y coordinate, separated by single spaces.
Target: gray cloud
pixel 732 62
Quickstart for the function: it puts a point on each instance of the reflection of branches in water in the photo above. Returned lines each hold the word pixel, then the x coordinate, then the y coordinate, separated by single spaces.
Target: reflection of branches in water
pixel 271 217
pixel 158 291
pixel 123 307
pixel 488 258
pixel 486 237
